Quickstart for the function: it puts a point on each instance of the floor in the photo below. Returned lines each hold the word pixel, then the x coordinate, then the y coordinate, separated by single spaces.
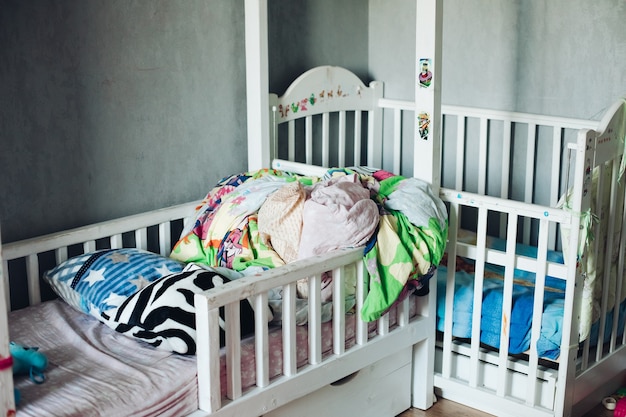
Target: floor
pixel 445 408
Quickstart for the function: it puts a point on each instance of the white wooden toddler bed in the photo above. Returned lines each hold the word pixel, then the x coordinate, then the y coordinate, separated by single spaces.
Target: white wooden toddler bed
pixel 358 356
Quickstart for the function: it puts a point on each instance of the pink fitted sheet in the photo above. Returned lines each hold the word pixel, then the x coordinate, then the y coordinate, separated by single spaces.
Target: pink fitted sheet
pixel 95 371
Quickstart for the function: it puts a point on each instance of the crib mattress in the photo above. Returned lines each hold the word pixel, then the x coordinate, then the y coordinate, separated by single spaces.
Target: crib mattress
pixel 95 371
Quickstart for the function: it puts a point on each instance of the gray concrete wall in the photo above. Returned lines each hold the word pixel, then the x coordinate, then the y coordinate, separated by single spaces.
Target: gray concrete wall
pixel 113 108
pixel 556 57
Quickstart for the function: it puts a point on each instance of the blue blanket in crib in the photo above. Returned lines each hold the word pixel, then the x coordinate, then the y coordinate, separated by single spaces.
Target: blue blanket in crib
pixel 492 300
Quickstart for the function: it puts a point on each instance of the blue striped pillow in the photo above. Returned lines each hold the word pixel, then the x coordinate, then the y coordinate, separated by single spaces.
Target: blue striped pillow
pixel 100 281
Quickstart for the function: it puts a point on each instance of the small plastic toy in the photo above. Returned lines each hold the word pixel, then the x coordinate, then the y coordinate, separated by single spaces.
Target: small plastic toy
pixel 28 361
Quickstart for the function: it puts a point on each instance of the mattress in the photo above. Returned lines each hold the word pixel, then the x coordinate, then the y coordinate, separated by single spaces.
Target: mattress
pixel 95 371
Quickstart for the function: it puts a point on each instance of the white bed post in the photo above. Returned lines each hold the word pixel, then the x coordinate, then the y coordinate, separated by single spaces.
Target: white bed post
pixel 257 84
pixel 7 399
pixel 428 26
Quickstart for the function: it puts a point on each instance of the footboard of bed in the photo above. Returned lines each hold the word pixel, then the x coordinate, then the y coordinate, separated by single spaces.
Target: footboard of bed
pixel 383 348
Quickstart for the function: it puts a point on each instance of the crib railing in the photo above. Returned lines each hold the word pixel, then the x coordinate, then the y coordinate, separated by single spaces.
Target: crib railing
pixel 470 364
pixel 24 262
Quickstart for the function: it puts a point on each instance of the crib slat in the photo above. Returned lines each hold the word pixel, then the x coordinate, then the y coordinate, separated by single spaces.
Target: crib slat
pixel 89 246
pixel 453 216
pixel 482 156
pixel 325 139
pixel 341 146
pixel 361 293
pixel 597 250
pixel 554 185
pixel 32 272
pixel 357 137
pixel 506 171
pixel 308 137
pixel 507 305
pixel 5 284
pixel 141 238
pixel 529 184
pixel 208 344
pixel 404 312
pixel 290 359
pixel 539 295
pixel 60 255
pixel 315 320
pixel 481 243
pixel 339 311
pixel 383 325
pixel 232 316
pixel 397 139
pixel 291 140
pixel 116 241
pixel 620 267
pixel 460 152
pixel 165 240
pixel 261 340
pixel 609 219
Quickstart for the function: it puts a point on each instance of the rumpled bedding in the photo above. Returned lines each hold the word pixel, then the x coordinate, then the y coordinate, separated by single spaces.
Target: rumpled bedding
pixel 264 219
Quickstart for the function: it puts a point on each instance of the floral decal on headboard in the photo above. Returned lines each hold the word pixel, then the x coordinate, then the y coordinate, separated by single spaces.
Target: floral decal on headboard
pixel 304 104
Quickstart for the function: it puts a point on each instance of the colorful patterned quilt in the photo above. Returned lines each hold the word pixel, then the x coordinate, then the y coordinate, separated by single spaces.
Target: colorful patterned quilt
pixel 267 218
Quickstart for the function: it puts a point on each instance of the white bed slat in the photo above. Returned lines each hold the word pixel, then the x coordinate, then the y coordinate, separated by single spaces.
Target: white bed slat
pixel 165 241
pixel 291 141
pixel 529 183
pixel 339 311
pixel 478 294
pixel 404 312
pixel 620 267
pixel 383 325
pixel 115 241
pixel 89 246
pixel 308 129
pixel 357 137
pixel 361 293
pixel 232 316
pixel 554 184
pixel 341 150
pixel 397 140
pixel 482 156
pixel 453 225
pixel 460 152
pixel 540 282
pixel 5 285
pixel 261 340
pixel 507 305
pixel 315 319
pixel 506 170
pixel 32 272
pixel 141 238
pixel 597 251
pixel 290 359
pixel 208 343
pixel 325 139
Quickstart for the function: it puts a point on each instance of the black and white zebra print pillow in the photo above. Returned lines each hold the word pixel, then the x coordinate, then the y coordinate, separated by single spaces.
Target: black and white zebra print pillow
pixel 163 313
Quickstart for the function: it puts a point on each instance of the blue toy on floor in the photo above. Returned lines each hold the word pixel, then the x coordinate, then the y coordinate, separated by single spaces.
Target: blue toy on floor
pixel 28 361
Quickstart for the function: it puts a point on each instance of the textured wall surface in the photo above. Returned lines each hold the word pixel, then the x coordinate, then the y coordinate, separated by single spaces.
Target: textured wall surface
pixel 115 107
pixel 109 108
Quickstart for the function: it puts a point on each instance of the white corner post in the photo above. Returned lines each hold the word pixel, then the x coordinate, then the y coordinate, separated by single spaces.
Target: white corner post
pixel 257 84
pixel 428 26
pixel 7 399
pixel 427 148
